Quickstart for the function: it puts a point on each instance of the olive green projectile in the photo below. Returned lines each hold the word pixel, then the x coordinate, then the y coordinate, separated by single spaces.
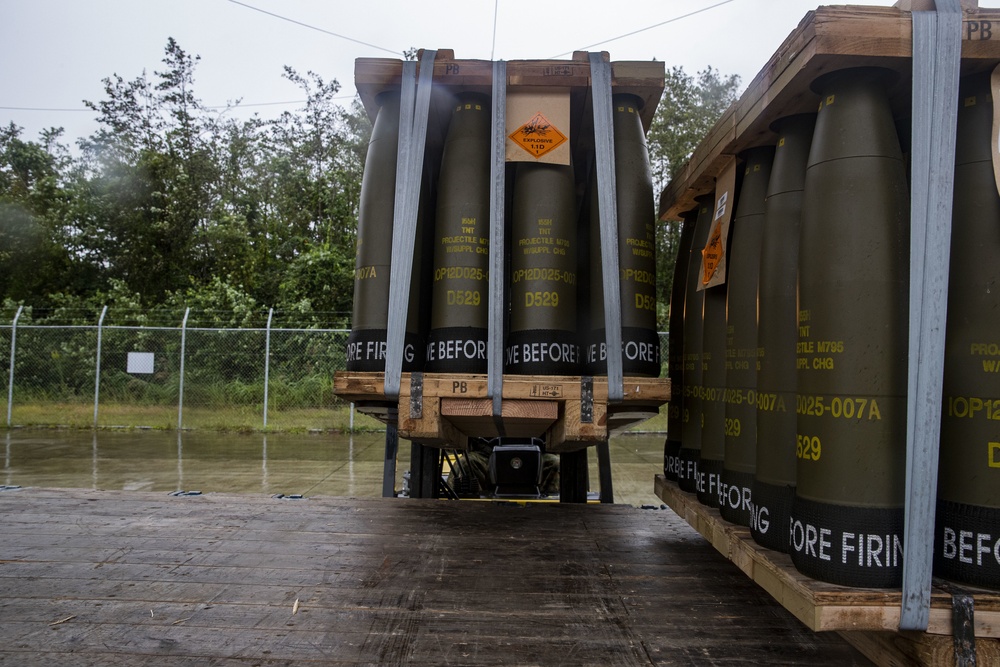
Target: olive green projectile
pixel 694 312
pixel 740 453
pixel 713 407
pixel 777 334
pixel 847 516
pixel 366 347
pixel 967 542
pixel 459 305
pixel 543 337
pixel 675 348
pixel 636 251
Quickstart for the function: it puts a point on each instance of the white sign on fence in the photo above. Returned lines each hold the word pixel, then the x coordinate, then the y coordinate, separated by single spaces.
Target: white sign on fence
pixel 140 362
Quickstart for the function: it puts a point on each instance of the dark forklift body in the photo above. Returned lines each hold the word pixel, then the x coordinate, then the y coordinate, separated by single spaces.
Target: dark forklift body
pixel 501 468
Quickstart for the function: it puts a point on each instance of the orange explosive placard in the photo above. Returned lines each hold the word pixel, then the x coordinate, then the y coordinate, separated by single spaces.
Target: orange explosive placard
pixel 712 253
pixel 538 136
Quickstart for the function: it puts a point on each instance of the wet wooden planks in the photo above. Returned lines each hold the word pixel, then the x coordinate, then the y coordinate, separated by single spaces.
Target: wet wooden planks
pixel 111 578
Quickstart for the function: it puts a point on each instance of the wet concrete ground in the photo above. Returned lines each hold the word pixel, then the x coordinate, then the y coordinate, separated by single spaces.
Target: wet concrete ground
pixel 308 464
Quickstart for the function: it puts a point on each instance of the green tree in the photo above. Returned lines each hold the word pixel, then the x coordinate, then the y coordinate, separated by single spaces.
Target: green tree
pixel 314 188
pixel 689 108
pixel 174 204
pixel 120 217
pixel 239 214
pixel 172 199
pixel 34 248
pixel 149 195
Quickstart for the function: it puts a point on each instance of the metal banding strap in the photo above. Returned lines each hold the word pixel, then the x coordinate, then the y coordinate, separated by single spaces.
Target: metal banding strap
pixel 607 200
pixel 963 626
pixel 963 623
pixel 587 399
pixel 937 49
pixel 409 169
pixel 396 323
pixel 498 140
pixel 416 395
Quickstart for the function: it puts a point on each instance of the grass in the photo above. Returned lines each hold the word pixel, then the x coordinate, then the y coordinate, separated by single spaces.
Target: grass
pixel 217 418
pixel 657 424
pixel 164 417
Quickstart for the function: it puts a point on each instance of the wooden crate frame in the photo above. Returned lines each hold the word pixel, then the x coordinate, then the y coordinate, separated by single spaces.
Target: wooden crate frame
pixel 643 79
pixel 826 39
pixel 451 407
pixel 866 617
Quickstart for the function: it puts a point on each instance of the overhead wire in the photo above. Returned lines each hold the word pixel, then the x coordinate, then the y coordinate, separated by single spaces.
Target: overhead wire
pixel 238 105
pixel 312 27
pixel 40 109
pixel 636 32
pixel 496 9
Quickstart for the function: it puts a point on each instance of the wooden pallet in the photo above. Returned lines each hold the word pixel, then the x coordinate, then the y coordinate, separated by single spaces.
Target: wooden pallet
pixel 444 410
pixel 826 39
pixel 868 617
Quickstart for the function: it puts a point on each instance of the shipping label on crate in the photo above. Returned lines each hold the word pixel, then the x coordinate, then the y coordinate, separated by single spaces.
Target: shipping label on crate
pixel 713 256
pixel 538 126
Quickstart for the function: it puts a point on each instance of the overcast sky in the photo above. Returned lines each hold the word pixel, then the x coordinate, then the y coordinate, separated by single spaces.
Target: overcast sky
pixel 54 53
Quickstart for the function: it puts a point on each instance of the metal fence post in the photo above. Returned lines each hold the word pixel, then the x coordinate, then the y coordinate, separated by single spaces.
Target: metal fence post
pixel 180 394
pixel 97 371
pixel 267 360
pixel 10 383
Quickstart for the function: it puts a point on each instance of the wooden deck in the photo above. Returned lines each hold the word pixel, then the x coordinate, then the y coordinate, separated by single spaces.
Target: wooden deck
pixel 118 578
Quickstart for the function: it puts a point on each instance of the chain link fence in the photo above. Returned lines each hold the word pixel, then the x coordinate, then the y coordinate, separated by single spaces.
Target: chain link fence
pixel 152 376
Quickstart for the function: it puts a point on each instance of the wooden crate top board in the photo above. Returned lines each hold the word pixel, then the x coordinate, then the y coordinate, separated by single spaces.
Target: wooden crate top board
pixel 821 606
pixel 644 79
pixel 359 386
pixel 828 38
